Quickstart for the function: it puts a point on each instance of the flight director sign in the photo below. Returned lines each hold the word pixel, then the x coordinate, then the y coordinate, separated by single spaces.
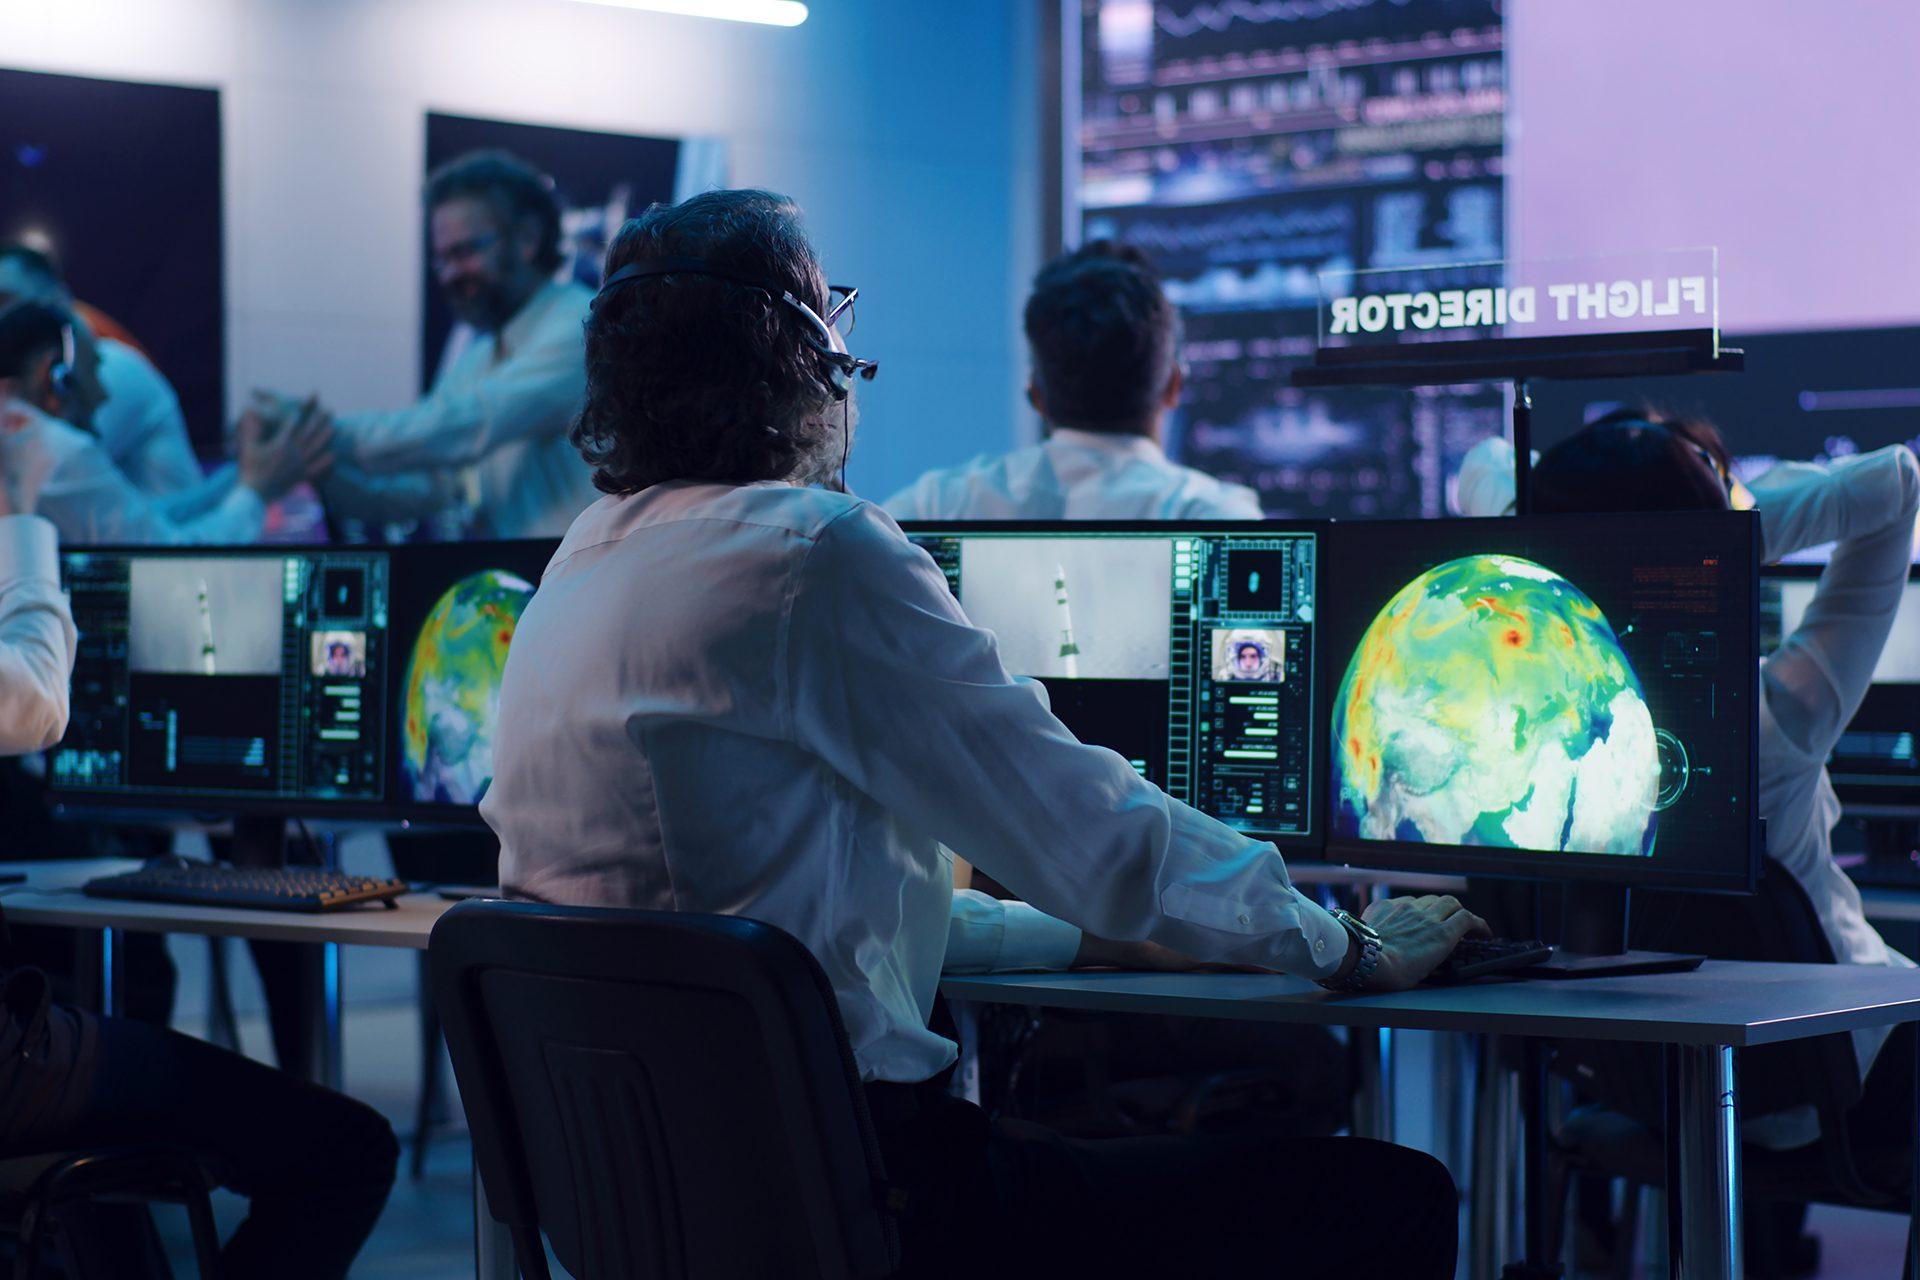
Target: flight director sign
pixel 1661 291
pixel 1683 298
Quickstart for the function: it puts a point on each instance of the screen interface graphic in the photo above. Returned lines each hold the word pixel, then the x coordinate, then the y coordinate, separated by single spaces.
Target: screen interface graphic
pixel 455 609
pixel 227 675
pixel 1191 654
pixel 1580 687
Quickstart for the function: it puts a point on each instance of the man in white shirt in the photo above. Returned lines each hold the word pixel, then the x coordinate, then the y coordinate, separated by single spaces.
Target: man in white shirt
pixel 139 426
pixel 487 447
pixel 50 390
pixel 1105 344
pixel 734 693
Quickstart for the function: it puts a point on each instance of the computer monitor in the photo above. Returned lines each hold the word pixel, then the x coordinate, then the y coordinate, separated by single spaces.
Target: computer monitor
pixel 242 680
pixel 454 608
pixel 1875 767
pixel 1191 649
pixel 1558 697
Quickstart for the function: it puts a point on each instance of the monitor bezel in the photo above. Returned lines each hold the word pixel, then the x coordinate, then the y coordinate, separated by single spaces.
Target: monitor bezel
pixel 1301 848
pixel 1583 868
pixel 132 802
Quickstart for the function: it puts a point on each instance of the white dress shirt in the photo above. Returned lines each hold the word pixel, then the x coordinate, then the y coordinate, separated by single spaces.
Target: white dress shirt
pixel 490 436
pixel 1075 475
pixel 36 637
pixel 140 425
pixel 91 502
pixel 764 701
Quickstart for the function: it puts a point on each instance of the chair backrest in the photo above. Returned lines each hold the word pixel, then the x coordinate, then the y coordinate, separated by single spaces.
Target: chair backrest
pixel 661 1094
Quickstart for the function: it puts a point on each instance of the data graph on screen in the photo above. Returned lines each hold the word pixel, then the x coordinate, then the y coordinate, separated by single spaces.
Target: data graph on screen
pixel 1248 146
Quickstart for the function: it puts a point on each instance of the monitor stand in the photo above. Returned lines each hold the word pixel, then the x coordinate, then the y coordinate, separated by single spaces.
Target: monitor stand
pixel 1593 939
pixel 259 841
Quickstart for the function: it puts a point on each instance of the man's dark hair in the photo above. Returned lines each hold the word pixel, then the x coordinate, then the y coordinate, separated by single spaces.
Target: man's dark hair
pixel 1634 460
pixel 515 189
pixel 34 261
pixel 1105 339
pixel 693 377
pixel 28 330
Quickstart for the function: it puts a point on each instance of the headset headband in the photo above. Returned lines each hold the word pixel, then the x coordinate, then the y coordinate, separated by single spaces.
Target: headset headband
pixel 821 338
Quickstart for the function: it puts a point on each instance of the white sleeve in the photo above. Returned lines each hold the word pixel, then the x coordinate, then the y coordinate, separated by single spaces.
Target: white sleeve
pixel 1866 505
pixel 889 683
pixel 36 637
pixel 534 392
pixel 989 935
pixel 89 500
pixel 911 502
pixel 1484 486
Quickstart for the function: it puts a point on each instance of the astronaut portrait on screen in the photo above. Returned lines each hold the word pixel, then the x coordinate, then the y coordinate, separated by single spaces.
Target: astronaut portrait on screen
pixel 1250 657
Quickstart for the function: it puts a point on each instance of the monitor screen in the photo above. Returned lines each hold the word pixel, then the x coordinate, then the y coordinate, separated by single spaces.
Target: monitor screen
pixel 1566 697
pixel 227 678
pixel 1875 762
pixel 454 610
pixel 1189 649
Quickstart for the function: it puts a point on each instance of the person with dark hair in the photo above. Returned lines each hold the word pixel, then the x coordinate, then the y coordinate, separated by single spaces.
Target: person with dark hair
pixel 1865 505
pixel 740 689
pixel 50 393
pixel 486 449
pixel 140 425
pixel 1104 340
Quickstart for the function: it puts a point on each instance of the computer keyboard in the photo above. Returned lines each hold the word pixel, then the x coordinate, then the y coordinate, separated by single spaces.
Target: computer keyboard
pixel 268 888
pixel 1480 957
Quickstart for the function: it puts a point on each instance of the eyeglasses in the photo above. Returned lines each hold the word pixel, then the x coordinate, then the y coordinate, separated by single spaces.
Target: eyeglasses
pixel 839 315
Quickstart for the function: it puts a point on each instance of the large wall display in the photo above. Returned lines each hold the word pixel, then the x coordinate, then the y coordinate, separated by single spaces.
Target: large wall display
pixel 145 248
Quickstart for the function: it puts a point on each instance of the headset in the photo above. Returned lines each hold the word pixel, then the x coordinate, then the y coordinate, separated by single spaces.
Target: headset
pixel 845 367
pixel 61 373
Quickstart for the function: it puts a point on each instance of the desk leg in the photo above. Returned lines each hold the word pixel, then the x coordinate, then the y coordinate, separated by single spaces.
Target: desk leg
pixel 1708 1139
pixel 1373 1100
pixel 966 1075
pixel 492 1241
pixel 1490 1191
pixel 113 992
pixel 1913 1211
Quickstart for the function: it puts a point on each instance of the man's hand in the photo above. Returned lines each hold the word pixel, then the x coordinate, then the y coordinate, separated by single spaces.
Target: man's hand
pixel 1416 934
pixel 272 462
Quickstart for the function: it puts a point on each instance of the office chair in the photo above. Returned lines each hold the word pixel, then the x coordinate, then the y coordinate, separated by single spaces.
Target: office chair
pixel 1618 1133
pixel 35 1188
pixel 659 1094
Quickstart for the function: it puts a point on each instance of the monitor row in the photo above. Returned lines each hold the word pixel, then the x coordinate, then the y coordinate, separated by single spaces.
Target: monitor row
pixel 1508 693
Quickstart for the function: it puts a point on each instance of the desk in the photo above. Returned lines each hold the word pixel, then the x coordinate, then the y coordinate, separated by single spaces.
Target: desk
pixel 52 896
pixel 1704 1015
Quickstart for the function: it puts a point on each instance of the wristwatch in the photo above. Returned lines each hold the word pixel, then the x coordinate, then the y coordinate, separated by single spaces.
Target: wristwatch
pixel 1368 940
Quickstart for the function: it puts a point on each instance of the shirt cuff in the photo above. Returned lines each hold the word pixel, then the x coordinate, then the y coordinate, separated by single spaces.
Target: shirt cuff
pixel 1327 940
pixel 29 548
pixel 1032 939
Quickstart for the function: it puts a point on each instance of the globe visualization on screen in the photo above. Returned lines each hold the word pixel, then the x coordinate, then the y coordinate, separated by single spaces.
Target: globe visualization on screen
pixel 452 687
pixel 1490 703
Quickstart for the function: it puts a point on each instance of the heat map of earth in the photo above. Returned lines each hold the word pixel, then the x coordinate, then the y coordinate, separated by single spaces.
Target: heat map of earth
pixel 452 687
pixel 1490 703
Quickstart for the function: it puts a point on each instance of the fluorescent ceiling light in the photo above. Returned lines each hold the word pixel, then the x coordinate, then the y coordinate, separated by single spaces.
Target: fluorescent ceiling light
pixel 774 13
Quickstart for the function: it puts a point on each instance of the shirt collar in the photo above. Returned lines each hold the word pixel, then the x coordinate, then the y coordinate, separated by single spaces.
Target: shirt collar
pixel 1133 446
